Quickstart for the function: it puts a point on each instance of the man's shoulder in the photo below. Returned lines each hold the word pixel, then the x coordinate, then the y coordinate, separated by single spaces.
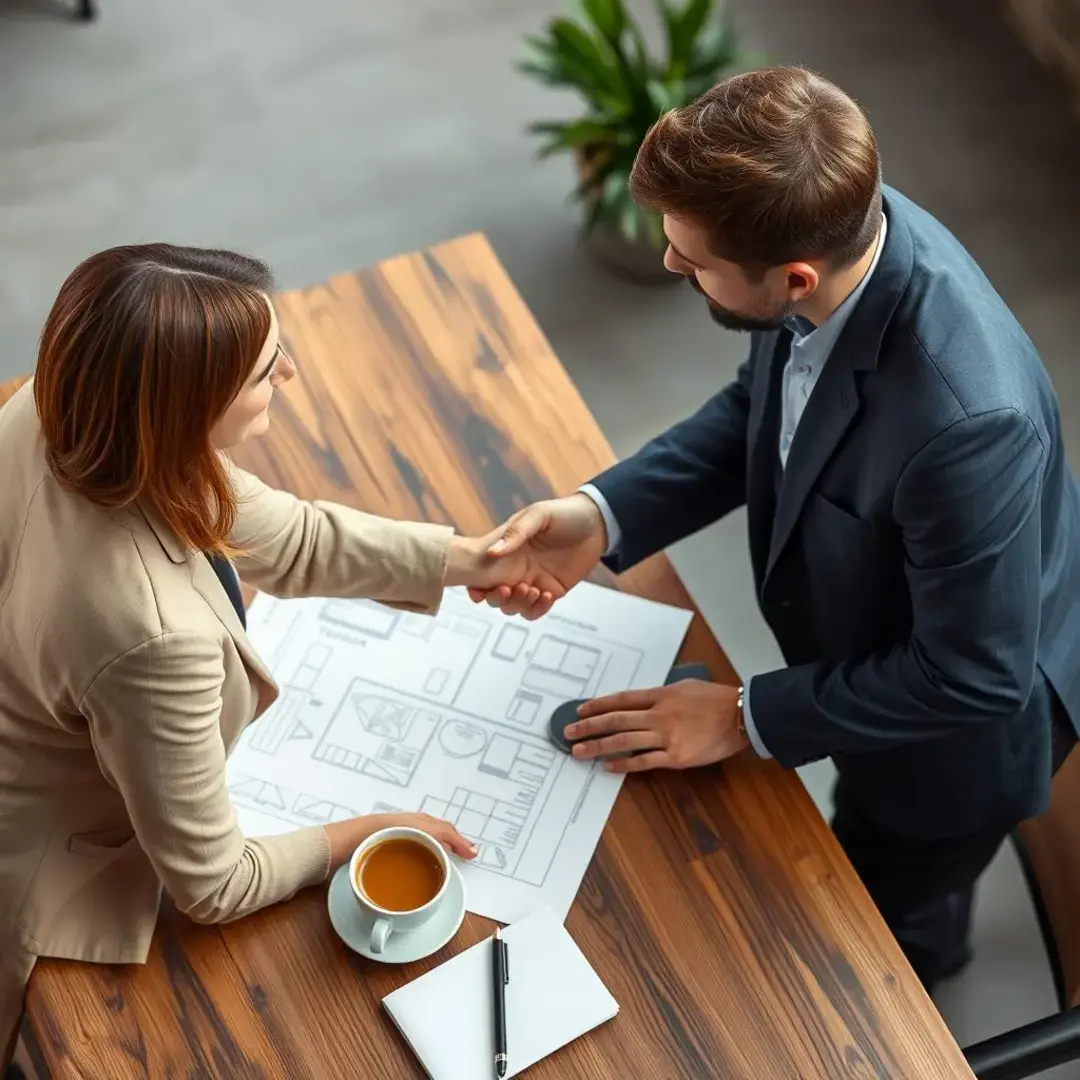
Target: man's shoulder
pixel 962 369
pixel 952 337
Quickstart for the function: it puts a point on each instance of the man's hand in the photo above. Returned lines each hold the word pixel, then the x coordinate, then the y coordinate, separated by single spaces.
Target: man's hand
pixel 549 546
pixel 672 727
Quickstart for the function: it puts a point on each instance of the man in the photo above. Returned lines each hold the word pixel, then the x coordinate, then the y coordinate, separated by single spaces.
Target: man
pixel 914 527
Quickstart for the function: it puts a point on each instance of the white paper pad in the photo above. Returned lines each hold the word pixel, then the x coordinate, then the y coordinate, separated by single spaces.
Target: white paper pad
pixel 553 997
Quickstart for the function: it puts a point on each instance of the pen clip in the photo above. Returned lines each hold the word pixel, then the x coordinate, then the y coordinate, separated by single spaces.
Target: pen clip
pixel 506 963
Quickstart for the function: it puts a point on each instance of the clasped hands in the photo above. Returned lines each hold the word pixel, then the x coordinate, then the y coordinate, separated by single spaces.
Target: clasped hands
pixel 532 561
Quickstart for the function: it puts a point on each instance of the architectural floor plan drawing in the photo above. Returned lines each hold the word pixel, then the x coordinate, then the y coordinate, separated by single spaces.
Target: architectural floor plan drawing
pixel 382 710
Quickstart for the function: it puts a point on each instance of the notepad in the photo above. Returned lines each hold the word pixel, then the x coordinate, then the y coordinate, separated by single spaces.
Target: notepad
pixel 554 997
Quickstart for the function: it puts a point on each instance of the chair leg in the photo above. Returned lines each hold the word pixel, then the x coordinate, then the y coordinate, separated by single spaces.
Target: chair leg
pixel 20 1067
pixel 1045 929
pixel 86 10
pixel 27 1062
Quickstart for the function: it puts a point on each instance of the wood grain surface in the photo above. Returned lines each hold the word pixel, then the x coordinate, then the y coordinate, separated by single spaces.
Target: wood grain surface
pixel 719 910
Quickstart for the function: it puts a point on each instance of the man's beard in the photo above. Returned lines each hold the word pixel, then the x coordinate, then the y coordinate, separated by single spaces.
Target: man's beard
pixel 731 320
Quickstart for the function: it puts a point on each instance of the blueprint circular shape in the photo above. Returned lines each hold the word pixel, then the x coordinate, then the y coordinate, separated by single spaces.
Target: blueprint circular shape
pixel 461 740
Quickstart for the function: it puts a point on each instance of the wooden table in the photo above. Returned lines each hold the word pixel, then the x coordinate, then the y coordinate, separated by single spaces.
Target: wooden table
pixel 719 909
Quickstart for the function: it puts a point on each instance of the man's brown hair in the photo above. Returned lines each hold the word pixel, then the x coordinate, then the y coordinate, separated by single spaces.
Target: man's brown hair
pixel 143 351
pixel 777 165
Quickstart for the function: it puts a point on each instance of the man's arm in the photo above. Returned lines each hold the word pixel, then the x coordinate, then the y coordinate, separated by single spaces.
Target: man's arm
pixel 681 481
pixel 689 476
pixel 968 505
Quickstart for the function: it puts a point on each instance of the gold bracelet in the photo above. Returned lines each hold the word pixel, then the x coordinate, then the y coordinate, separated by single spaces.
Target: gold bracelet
pixel 740 711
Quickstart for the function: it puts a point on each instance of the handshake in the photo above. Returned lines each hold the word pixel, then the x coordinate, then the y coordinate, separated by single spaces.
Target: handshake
pixel 533 559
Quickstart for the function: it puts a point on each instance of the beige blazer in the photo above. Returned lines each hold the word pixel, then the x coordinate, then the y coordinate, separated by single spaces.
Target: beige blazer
pixel 125 680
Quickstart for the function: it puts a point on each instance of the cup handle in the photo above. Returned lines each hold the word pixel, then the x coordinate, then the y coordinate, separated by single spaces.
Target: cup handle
pixel 379 933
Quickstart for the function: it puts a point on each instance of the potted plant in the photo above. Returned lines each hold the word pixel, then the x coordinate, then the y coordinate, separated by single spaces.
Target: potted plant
pixel 602 55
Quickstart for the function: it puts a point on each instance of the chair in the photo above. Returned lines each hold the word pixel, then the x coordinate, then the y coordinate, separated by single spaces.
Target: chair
pixel 1049 850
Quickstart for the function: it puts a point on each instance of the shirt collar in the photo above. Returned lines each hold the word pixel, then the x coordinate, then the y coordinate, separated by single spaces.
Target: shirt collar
pixel 822 338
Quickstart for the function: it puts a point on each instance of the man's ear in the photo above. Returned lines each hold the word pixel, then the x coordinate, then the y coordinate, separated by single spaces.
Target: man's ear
pixel 802 280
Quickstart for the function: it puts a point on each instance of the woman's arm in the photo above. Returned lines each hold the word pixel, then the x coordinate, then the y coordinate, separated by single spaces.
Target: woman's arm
pixel 297 548
pixel 153 716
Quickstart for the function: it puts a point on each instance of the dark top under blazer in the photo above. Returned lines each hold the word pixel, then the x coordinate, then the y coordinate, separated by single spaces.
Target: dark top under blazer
pixel 226 574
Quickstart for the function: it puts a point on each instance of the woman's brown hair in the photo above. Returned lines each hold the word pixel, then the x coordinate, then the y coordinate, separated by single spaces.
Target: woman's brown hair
pixel 778 165
pixel 143 351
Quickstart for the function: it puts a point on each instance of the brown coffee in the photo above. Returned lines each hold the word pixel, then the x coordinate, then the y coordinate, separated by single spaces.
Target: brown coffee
pixel 400 874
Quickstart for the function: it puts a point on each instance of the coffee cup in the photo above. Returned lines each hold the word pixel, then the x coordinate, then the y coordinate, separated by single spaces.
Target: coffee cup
pixel 399 878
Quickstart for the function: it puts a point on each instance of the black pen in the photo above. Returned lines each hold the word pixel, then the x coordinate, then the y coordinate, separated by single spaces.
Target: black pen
pixel 500 976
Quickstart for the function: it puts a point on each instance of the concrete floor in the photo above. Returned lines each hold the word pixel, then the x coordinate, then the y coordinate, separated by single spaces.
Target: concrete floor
pixel 328 140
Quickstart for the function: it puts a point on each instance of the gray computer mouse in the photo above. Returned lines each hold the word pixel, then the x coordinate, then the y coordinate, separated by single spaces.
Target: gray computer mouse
pixel 563 716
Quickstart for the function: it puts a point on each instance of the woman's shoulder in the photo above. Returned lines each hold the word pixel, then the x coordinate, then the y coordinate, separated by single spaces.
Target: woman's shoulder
pixel 90 586
pixel 83 583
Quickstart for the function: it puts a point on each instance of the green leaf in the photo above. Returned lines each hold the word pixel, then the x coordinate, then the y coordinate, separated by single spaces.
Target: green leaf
pixel 598 212
pixel 640 64
pixel 623 43
pixel 591 187
pixel 602 55
pixel 545 73
pixel 615 188
pixel 669 16
pixel 589 65
pixel 608 16
pixel 607 204
pixel 694 16
pixel 542 46
pixel 683 27
pixel 716 48
pixel 560 127
pixel 580 49
pixel 664 96
pixel 566 135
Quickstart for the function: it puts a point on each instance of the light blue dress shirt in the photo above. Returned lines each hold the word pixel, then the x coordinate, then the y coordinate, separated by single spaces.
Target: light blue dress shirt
pixel 810 349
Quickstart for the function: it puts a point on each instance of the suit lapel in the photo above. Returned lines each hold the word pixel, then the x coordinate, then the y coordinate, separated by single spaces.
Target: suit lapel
pixel 205 582
pixel 763 434
pixel 207 585
pixel 835 401
pixel 829 413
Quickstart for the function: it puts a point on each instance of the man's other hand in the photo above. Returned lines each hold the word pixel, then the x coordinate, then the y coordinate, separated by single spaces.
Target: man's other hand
pixel 681 726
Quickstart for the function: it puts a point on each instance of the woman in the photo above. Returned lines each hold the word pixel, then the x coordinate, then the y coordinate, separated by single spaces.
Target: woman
pixel 125 672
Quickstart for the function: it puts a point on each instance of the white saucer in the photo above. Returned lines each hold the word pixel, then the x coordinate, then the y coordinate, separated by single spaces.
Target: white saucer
pixel 353 925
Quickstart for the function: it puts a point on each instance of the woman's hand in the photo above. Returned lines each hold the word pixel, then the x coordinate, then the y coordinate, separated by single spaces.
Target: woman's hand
pixel 346 836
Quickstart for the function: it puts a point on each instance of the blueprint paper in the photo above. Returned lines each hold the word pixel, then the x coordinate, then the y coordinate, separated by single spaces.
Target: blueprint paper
pixel 382 711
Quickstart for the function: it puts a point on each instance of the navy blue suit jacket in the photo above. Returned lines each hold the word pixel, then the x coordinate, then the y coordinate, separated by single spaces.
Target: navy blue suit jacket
pixel 919 563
